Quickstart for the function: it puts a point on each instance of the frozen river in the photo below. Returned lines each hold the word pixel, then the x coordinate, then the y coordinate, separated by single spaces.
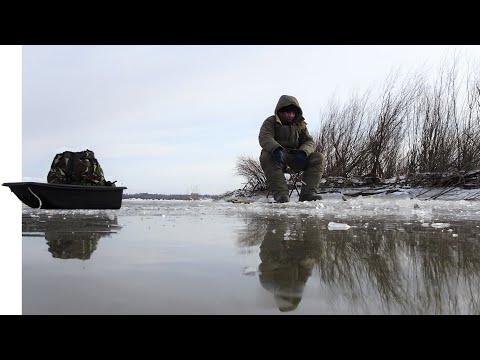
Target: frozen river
pixel 375 255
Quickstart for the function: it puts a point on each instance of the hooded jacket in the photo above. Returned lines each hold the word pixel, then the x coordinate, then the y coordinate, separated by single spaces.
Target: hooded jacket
pixel 274 133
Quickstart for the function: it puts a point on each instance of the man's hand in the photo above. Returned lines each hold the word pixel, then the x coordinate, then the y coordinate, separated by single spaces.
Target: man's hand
pixel 278 156
pixel 300 160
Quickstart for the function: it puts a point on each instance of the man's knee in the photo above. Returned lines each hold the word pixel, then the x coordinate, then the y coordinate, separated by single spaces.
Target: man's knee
pixel 316 160
pixel 263 156
pixel 266 160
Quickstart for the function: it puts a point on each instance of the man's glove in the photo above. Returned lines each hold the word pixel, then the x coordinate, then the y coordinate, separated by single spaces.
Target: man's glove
pixel 300 160
pixel 278 156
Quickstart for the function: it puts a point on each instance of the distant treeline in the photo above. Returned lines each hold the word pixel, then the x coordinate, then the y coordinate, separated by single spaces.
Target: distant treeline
pixel 414 126
pixel 147 196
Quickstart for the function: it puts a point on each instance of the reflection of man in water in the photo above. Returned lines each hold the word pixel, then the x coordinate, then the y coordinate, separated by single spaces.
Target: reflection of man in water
pixel 286 263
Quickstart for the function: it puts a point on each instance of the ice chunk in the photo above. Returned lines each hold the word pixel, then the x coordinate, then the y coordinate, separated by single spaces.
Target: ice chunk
pixel 337 226
pixel 440 225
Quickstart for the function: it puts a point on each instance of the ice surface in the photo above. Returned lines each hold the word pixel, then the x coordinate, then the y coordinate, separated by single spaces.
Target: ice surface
pixel 404 205
pixel 382 254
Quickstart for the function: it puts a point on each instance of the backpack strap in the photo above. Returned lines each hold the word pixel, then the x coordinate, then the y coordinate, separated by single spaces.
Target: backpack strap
pixel 69 172
pixel 88 155
pixel 93 163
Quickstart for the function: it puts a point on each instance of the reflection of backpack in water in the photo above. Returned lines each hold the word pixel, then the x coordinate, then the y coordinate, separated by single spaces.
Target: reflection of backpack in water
pixel 77 168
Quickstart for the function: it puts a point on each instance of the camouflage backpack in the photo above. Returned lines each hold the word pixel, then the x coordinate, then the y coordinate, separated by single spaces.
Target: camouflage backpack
pixel 77 168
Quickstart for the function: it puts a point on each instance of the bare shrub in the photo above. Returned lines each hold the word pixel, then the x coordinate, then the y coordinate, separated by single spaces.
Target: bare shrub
pixel 437 140
pixel 386 133
pixel 251 170
pixel 446 126
pixel 342 136
pixel 468 128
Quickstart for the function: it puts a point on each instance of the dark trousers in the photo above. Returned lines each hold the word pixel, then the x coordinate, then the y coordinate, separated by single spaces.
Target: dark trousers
pixel 312 172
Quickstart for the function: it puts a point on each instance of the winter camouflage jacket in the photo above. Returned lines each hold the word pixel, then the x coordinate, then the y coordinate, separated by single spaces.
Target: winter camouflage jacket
pixel 274 133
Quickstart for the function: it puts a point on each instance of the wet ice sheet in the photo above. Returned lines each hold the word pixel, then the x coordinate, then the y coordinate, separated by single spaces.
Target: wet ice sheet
pixel 361 256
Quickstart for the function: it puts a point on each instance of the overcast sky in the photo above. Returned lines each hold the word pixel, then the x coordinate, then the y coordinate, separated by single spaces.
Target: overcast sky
pixel 174 119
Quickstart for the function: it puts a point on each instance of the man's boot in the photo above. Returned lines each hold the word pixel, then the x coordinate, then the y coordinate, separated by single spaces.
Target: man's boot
pixel 309 197
pixel 281 198
pixel 311 178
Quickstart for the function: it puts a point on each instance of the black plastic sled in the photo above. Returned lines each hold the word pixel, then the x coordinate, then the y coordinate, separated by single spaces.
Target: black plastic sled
pixel 63 196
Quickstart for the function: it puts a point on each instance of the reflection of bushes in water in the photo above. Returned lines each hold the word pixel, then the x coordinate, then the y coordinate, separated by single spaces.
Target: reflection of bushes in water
pixel 254 232
pixel 72 236
pixel 448 265
pixel 72 246
pixel 418 269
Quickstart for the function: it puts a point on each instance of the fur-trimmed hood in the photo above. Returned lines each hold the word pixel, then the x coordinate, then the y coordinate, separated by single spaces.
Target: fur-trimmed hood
pixel 286 100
